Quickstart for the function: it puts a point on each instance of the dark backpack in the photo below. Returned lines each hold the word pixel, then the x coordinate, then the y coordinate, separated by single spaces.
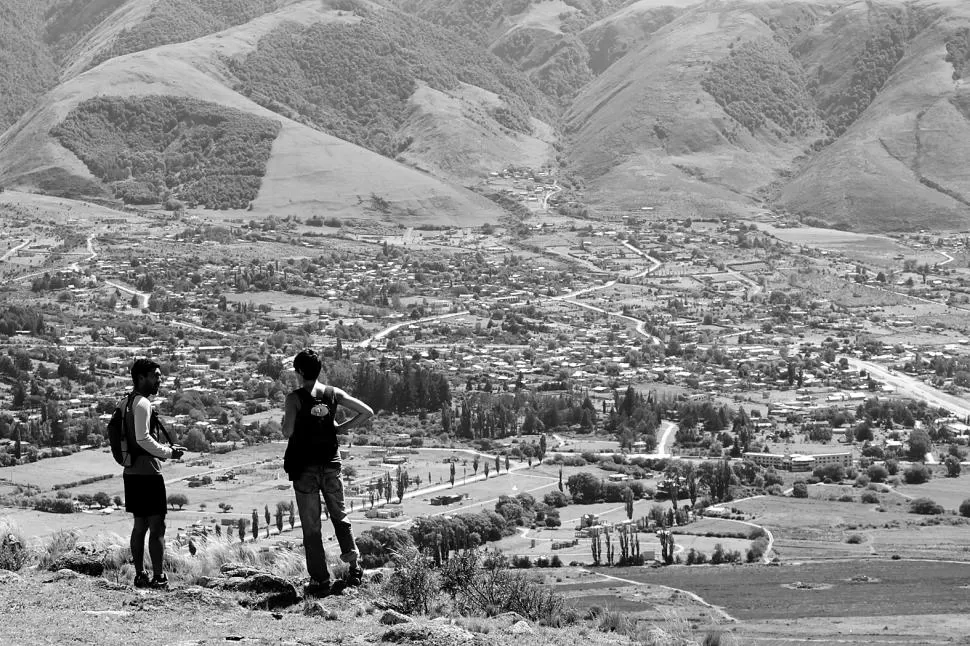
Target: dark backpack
pixel 118 435
pixel 121 433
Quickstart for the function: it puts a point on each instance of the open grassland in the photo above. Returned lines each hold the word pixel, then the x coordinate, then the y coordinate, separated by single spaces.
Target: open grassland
pixel 949 492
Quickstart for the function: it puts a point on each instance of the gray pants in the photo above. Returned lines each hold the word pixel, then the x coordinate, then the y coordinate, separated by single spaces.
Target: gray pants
pixel 312 482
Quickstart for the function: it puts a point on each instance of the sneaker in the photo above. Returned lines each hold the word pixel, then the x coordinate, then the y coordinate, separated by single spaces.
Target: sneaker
pixel 338 587
pixel 141 580
pixel 317 589
pixel 159 581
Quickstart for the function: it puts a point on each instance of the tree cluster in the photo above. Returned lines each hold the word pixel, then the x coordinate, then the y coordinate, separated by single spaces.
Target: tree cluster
pixel 152 148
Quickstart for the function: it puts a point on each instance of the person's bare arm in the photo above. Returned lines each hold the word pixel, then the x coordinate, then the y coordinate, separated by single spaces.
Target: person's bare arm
pixel 290 409
pixel 362 411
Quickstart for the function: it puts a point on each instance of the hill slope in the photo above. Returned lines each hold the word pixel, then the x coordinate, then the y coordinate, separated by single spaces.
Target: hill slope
pixel 307 169
pixel 846 112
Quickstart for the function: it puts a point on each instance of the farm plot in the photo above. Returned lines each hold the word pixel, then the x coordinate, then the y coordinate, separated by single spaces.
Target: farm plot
pixel 812 528
pixel 858 588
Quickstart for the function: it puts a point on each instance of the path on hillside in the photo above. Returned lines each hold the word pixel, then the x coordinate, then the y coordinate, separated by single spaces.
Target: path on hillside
pixel 92 254
pixel 13 251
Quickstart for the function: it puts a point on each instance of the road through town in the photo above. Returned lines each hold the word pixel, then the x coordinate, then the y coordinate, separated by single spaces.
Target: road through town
pixel 913 387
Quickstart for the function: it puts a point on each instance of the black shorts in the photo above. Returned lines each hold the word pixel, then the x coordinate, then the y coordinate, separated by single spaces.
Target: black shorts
pixel 145 495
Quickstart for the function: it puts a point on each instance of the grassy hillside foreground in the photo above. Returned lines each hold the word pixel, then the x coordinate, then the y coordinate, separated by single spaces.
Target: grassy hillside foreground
pixel 458 604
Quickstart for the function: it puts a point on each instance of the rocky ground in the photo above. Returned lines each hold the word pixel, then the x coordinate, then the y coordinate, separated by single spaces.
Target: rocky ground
pixel 239 605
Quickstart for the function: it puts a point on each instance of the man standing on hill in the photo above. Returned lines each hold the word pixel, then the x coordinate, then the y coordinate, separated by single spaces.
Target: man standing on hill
pixel 144 486
pixel 312 462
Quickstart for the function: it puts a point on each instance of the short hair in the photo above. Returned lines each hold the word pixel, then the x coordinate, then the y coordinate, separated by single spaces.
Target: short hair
pixel 143 367
pixel 308 364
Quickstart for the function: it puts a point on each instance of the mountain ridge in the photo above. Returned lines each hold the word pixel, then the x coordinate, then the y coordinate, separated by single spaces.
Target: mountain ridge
pixel 841 112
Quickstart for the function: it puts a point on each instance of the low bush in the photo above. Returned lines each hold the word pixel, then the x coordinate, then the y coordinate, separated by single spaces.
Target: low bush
pixel 869 498
pixel 855 539
pixel 877 473
pixel 696 557
pixel 925 506
pixel 757 549
pixel 965 508
pixel 54 505
pixel 720 555
pixel 489 587
pixel 14 554
pixel 756 532
pixel 799 489
pixel 917 474
pixel 78 483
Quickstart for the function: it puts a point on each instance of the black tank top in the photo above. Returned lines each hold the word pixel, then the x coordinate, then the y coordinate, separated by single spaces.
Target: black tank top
pixel 313 430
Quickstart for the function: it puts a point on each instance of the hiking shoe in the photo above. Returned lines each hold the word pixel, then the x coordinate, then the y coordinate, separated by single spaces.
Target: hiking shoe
pixel 338 587
pixel 355 576
pixel 159 581
pixel 317 589
pixel 141 580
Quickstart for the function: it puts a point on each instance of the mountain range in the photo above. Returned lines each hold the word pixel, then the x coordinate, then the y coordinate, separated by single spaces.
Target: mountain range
pixel 853 114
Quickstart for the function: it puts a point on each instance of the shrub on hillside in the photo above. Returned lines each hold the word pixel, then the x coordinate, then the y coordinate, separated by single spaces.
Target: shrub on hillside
pixel 855 539
pixel 696 557
pixel 54 505
pixel 772 477
pixel 877 473
pixel 757 549
pixel 13 546
pixel 917 474
pixel 487 586
pixel 799 489
pixel 556 499
pixel 869 498
pixel 925 506
pixel 965 508
pixel 830 472
pixel 720 555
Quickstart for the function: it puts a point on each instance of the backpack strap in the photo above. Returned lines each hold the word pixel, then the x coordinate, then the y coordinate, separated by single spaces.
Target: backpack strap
pixel 158 423
pixel 330 395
